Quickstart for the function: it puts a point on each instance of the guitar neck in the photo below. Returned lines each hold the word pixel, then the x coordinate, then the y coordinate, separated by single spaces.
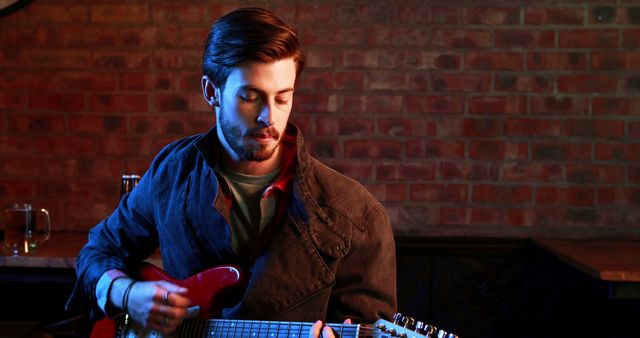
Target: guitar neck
pixel 255 328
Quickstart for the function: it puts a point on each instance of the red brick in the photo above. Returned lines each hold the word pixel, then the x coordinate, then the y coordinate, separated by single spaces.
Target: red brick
pixel 497 105
pixel 518 217
pixel 321 58
pixel 583 38
pixel 372 149
pixel 616 106
pixel 481 128
pixel 523 83
pixel 460 38
pixel 21 38
pixel 97 124
pixel 16 188
pixel 332 80
pixel 388 192
pixel 532 172
pixel 129 103
pixel 469 171
pixel 572 196
pixel 435 149
pixel 342 36
pixel 314 13
pixel 453 216
pixel 13 100
pixel 412 14
pixel 603 174
pixel 435 104
pixel 384 80
pixel 59 13
pixel 505 195
pixel 439 193
pixel 487 150
pixel 516 151
pixel 631 38
pixel 454 82
pixel 314 103
pixel 561 151
pixel 326 126
pixel 362 172
pixel 533 127
pixel 123 61
pixel 494 61
pixel 631 84
pixel 634 130
pixel 38 166
pixel 559 105
pixel 446 15
pixel 407 127
pixel 322 148
pixel 125 146
pixel 615 61
pixel 556 61
pixel 486 216
pixel 188 58
pixel 119 14
pixel 57 101
pixel 71 59
pixel 83 36
pixel 595 128
pixel 617 151
pixel 587 83
pixel 36 123
pixel 554 16
pixel 399 36
pixel 451 127
pixel 491 16
pixel 173 13
pixel 634 174
pixel 383 104
pixel 406 172
pixel 525 38
pixel 95 167
pixel 619 196
pixel 86 81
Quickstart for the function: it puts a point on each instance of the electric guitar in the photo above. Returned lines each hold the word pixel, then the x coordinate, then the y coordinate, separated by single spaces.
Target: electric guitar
pixel 211 289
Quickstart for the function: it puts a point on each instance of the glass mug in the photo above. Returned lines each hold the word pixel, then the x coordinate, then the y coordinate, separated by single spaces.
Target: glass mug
pixel 21 235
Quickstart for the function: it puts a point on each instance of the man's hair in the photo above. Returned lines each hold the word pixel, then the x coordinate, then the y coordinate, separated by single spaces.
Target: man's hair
pixel 246 35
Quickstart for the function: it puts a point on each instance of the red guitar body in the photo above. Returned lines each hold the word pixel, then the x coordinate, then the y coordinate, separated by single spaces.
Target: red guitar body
pixel 211 290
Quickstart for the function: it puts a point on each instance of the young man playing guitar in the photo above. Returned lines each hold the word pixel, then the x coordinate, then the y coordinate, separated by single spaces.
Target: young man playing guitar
pixel 314 244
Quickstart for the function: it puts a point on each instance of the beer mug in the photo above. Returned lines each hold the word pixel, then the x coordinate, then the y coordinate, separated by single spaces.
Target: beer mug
pixel 21 233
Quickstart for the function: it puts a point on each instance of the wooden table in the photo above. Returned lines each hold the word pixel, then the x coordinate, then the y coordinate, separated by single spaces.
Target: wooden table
pixel 59 252
pixel 613 261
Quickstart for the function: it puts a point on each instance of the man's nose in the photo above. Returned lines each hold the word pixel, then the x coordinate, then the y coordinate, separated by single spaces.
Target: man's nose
pixel 267 116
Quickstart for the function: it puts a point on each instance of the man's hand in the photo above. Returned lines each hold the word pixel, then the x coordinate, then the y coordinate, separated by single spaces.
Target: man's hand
pixel 159 306
pixel 319 330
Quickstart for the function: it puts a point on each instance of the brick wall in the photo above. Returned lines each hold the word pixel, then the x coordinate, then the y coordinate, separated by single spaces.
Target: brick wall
pixel 461 116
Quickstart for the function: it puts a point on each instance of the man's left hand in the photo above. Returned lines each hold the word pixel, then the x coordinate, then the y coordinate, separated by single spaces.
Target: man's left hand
pixel 319 330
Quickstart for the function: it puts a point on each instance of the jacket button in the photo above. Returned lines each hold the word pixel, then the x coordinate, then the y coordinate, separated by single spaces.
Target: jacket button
pixel 339 247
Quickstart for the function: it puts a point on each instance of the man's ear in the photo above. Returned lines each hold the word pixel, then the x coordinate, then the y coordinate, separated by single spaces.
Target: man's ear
pixel 210 92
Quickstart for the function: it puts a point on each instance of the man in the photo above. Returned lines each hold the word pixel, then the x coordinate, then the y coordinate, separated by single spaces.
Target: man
pixel 315 244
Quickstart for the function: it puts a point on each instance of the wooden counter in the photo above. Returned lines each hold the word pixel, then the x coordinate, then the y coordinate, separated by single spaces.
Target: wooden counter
pixel 609 260
pixel 60 251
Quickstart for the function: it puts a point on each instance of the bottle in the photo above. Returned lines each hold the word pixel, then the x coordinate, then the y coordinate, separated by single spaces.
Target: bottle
pixel 129 182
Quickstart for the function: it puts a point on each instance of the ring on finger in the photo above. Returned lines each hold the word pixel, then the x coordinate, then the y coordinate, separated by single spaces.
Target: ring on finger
pixel 165 299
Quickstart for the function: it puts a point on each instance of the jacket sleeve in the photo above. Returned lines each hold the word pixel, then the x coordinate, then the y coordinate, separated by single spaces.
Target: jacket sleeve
pixel 365 288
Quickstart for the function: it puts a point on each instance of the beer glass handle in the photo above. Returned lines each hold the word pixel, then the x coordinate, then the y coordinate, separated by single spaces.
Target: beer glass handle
pixel 48 232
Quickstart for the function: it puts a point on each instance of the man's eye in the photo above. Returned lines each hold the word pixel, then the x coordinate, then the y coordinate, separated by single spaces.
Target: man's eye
pixel 282 101
pixel 249 98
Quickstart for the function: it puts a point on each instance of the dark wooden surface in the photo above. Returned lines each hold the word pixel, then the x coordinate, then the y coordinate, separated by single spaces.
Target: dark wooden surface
pixel 609 260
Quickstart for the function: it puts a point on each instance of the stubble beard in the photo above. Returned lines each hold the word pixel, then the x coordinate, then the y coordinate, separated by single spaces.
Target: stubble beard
pixel 247 150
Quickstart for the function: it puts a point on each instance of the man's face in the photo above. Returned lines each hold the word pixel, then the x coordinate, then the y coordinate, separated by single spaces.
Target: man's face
pixel 254 108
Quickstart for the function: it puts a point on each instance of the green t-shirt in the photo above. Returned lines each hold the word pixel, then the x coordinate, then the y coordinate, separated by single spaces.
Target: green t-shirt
pixel 251 211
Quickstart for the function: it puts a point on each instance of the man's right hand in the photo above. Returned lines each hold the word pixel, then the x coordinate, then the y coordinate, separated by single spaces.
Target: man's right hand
pixel 158 306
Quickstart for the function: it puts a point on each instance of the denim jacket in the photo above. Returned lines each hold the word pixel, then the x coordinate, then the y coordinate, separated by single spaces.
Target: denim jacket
pixel 332 257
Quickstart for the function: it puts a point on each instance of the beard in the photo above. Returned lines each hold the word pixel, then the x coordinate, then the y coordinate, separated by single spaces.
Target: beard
pixel 241 142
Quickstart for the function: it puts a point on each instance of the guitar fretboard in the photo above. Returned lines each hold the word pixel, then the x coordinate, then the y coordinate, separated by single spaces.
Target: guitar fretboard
pixel 228 328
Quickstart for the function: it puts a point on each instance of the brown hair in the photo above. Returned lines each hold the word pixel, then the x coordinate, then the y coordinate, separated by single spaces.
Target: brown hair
pixel 248 34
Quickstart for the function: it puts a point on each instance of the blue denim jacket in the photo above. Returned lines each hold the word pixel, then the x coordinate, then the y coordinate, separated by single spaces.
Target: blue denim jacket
pixel 333 256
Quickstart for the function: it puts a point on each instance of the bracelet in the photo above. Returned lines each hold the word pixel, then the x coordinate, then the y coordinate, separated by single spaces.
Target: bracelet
pixel 108 302
pixel 125 299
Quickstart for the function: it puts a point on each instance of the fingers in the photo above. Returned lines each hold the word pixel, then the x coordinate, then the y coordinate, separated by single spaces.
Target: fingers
pixel 347 321
pixel 316 328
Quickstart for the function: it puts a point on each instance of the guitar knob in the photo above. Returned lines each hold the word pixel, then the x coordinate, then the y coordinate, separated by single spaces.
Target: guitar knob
pixel 442 334
pixel 452 335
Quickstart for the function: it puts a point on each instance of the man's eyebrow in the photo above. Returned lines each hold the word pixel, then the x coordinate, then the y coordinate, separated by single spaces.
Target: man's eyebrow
pixel 257 90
